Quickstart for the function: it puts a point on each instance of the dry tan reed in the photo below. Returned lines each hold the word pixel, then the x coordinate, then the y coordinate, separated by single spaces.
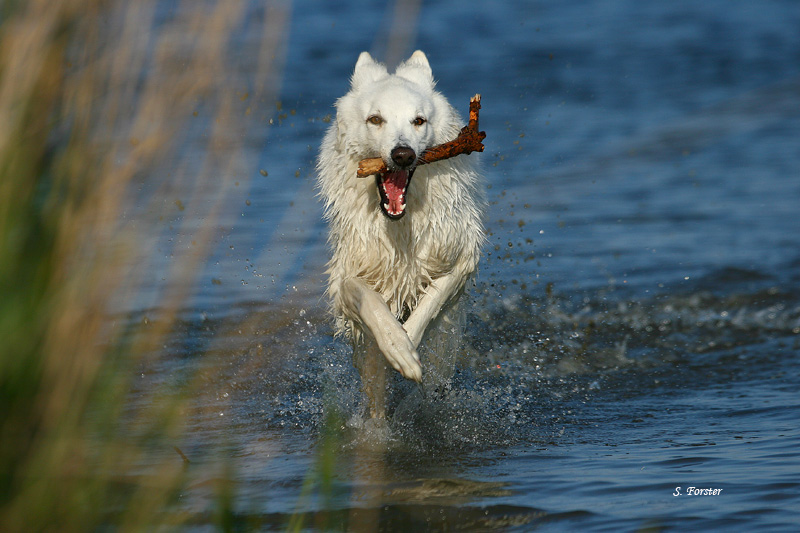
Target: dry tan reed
pixel 97 100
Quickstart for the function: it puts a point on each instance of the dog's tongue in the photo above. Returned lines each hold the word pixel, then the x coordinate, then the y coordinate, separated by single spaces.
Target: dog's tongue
pixel 394 186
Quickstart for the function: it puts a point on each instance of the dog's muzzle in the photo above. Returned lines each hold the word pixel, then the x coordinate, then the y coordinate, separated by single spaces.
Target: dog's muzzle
pixel 393 185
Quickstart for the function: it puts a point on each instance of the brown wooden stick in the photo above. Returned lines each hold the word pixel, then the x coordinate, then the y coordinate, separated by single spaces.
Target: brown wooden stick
pixel 469 140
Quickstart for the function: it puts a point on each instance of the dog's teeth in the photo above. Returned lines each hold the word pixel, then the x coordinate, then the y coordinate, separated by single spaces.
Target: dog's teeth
pixel 386 206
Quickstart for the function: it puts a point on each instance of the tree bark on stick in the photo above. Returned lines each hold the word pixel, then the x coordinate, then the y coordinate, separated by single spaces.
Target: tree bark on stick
pixel 469 140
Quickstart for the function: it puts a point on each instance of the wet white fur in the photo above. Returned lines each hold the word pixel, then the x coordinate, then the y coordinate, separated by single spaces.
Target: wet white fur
pixel 382 269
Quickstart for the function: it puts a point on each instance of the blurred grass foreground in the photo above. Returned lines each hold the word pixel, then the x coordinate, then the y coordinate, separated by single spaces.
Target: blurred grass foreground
pixel 98 103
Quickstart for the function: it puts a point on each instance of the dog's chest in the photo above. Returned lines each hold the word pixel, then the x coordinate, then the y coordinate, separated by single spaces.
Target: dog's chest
pixel 413 251
pixel 402 259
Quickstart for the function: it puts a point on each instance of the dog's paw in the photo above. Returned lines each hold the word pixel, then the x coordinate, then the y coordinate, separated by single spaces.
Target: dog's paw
pixel 406 361
pixel 413 371
pixel 399 351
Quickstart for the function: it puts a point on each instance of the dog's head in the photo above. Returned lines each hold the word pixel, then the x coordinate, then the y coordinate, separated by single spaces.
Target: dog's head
pixel 395 117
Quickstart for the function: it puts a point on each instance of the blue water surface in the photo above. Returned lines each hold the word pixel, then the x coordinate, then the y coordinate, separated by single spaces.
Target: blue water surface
pixel 635 327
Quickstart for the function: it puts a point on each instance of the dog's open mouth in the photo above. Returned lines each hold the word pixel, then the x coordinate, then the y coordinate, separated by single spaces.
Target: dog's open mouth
pixel 392 187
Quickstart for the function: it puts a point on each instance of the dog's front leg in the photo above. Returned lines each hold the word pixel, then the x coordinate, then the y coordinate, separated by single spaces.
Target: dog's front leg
pixel 372 367
pixel 437 295
pixel 375 316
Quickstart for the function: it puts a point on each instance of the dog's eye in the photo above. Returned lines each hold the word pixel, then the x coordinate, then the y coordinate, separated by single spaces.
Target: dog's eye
pixel 419 121
pixel 376 120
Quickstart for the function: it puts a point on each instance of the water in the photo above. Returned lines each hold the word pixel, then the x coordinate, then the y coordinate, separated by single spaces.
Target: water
pixel 635 328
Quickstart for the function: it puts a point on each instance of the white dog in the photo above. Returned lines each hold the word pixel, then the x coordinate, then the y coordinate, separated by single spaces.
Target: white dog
pixel 403 248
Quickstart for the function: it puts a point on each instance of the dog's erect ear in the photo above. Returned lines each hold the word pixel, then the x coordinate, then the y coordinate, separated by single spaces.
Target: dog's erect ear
pixel 367 71
pixel 417 69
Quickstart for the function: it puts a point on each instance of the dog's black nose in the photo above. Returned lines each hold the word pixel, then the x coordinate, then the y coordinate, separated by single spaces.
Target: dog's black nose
pixel 403 156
